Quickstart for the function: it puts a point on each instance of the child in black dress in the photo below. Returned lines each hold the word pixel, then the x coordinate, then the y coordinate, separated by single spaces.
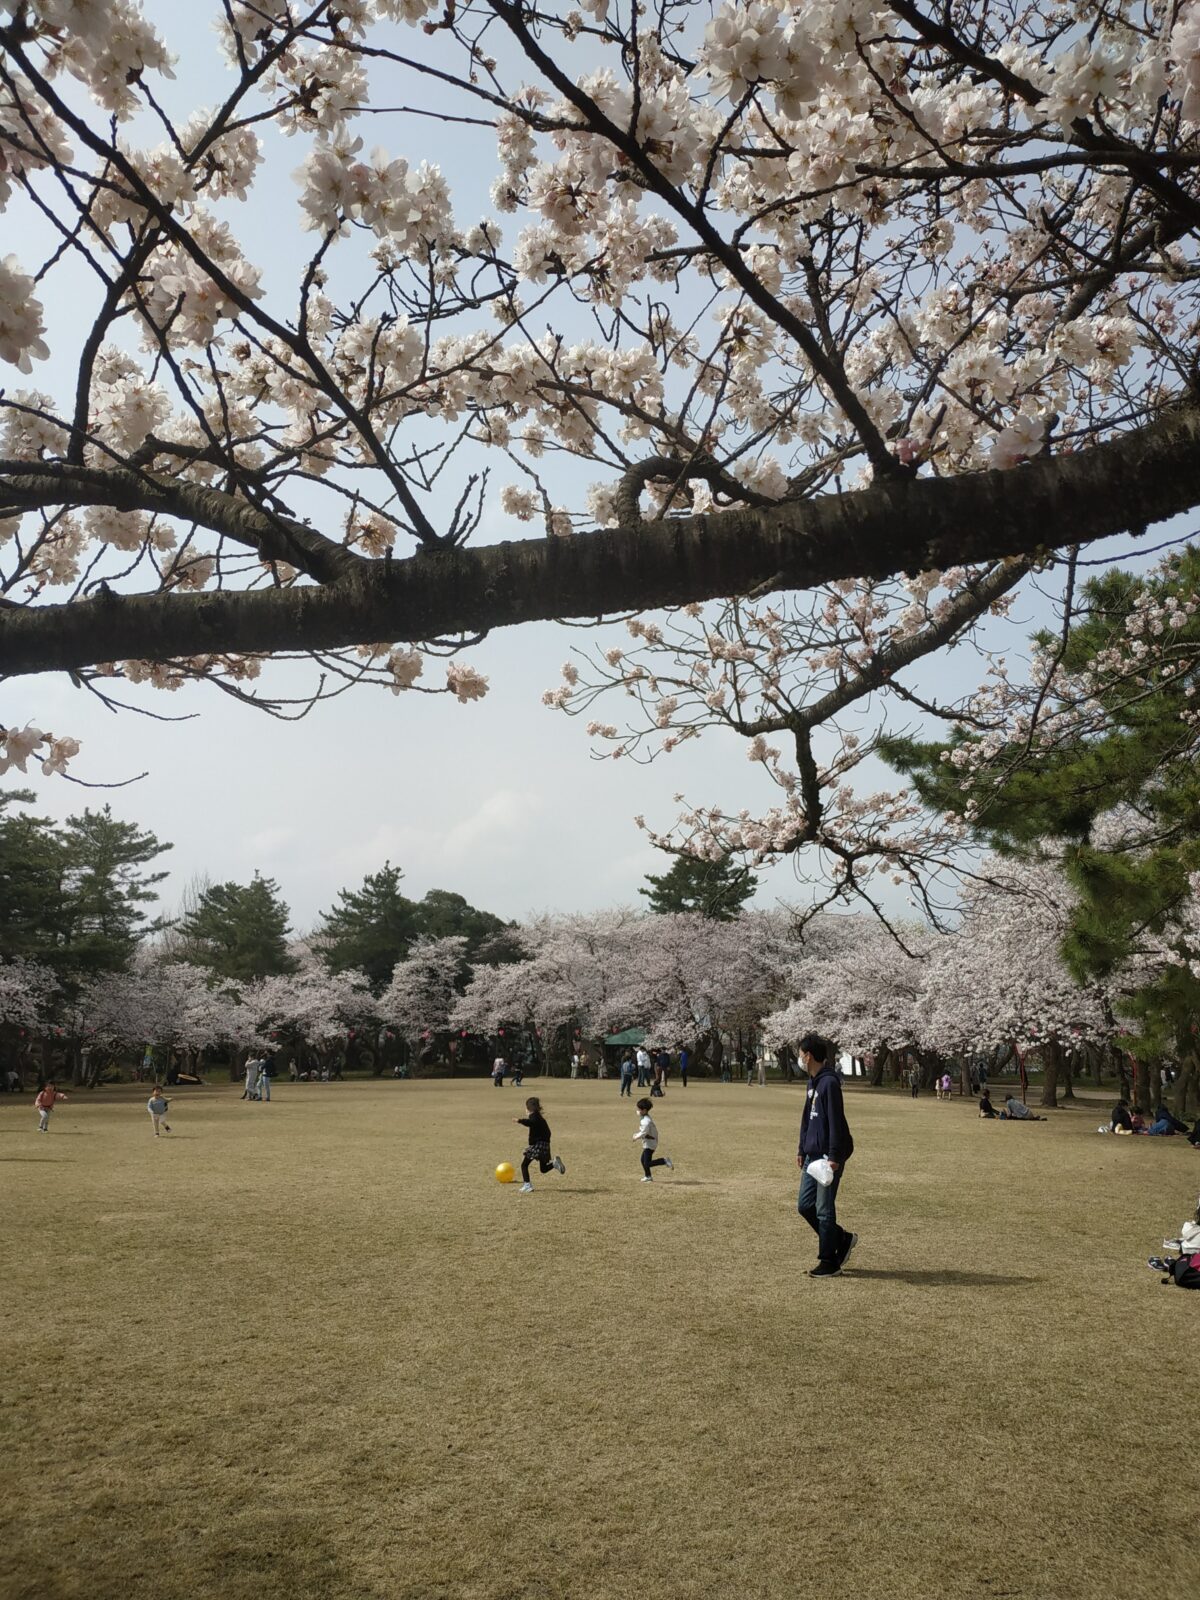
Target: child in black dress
pixel 538 1148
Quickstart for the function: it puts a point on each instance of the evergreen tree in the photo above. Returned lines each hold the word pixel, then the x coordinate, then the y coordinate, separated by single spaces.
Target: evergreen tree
pixel 107 888
pixel 717 889
pixel 240 930
pixel 442 914
pixel 371 928
pixel 1116 792
pixel 74 896
pixel 33 870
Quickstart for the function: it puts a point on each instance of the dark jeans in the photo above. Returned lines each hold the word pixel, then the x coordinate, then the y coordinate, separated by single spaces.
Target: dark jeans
pixel 816 1203
pixel 649 1159
pixel 627 1083
pixel 683 1071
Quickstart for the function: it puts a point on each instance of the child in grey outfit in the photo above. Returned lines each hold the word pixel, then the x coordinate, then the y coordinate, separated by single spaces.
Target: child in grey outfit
pixel 157 1107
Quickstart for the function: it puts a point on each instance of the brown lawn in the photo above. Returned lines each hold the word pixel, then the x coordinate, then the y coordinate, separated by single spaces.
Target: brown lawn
pixel 313 1351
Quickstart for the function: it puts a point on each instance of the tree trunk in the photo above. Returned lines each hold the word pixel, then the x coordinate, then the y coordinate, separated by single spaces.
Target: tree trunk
pixel 1068 1072
pixel 1186 1084
pixel 1051 1062
pixel 1144 1077
pixel 878 1062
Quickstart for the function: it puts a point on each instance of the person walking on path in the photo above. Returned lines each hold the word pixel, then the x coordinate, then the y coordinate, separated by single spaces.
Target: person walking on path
pixel 648 1134
pixel 48 1097
pixel 157 1107
pixel 538 1148
pixel 627 1075
pixel 824 1132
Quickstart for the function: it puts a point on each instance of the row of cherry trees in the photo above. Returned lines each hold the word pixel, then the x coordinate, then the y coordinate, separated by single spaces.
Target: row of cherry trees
pixel 903 995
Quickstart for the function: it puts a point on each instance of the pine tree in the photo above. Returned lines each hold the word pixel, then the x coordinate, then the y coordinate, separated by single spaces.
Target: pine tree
pixel 74 896
pixel 1141 763
pixel 240 930
pixel 107 888
pixel 371 928
pixel 32 873
pixel 442 914
pixel 717 889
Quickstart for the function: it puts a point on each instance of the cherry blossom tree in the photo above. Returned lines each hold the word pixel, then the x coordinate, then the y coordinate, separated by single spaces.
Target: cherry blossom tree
pixel 814 293
pixel 862 985
pixel 27 991
pixel 310 1005
pixel 1002 976
pixel 423 990
pixel 171 1003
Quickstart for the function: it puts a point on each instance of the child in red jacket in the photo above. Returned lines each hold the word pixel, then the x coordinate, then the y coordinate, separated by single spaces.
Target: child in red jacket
pixel 44 1105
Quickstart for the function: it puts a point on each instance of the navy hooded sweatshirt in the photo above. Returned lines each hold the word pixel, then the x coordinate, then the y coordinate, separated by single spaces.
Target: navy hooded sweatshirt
pixel 823 1127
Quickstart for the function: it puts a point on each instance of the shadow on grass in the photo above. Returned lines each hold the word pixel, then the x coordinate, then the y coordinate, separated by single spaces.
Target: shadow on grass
pixel 57 1160
pixel 941 1277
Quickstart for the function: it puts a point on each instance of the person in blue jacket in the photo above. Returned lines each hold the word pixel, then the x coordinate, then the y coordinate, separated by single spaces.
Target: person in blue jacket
pixel 823 1132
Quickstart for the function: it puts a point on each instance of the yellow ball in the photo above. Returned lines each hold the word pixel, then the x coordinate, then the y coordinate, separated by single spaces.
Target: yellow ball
pixel 505 1172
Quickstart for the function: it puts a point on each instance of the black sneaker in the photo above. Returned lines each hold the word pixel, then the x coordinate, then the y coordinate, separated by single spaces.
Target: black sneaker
pixel 1157 1264
pixel 851 1241
pixel 826 1269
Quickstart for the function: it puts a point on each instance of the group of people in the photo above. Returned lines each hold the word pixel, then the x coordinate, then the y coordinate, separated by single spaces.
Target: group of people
pixel 651 1070
pixel 1125 1119
pixel 1014 1110
pixel 501 1070
pixel 824 1149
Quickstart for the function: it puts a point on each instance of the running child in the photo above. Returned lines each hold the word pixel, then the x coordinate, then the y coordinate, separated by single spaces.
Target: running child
pixel 44 1105
pixel 157 1107
pixel 538 1148
pixel 648 1134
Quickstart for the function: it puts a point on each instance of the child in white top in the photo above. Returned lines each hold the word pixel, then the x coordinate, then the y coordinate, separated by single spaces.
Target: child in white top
pixel 648 1134
pixel 157 1107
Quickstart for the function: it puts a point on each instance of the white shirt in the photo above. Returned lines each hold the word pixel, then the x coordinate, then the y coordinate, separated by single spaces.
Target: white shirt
pixel 647 1133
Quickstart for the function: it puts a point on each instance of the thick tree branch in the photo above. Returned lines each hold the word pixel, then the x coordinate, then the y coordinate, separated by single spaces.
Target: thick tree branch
pixel 38 485
pixel 899 525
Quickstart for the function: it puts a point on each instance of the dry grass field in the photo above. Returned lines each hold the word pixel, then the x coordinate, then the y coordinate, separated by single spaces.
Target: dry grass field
pixel 313 1351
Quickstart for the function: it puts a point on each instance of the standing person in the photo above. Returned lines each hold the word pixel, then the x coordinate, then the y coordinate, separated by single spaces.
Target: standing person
pixel 648 1134
pixel 47 1098
pixel 748 1063
pixel 915 1078
pixel 643 1068
pixel 250 1092
pixel 664 1063
pixel 265 1068
pixel 947 1085
pixel 627 1074
pixel 538 1148
pixel 685 1057
pixel 762 1070
pixel 518 1076
pixel 498 1069
pixel 823 1132
pixel 157 1107
pixel 656 1076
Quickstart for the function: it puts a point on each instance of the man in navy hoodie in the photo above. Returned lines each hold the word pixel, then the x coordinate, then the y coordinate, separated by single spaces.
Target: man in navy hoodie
pixel 824 1132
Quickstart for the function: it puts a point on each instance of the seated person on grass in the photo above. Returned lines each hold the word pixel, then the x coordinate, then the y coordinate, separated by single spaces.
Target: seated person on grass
pixel 1164 1123
pixel 986 1108
pixel 1121 1120
pixel 1016 1112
